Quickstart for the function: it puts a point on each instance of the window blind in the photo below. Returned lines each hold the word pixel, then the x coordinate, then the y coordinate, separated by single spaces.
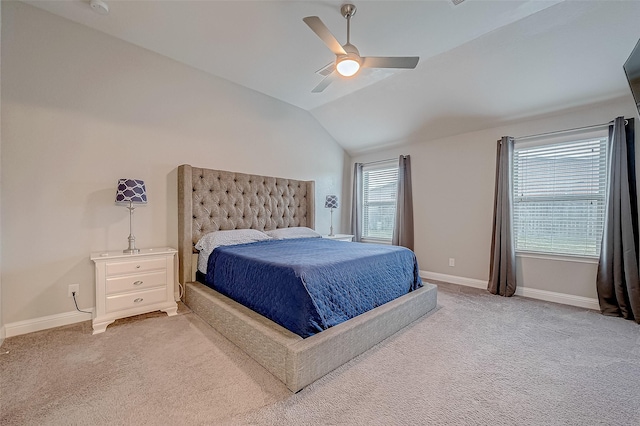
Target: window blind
pixel 380 188
pixel 559 196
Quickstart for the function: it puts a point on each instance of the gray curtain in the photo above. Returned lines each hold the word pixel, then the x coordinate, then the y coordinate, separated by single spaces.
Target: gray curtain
pixel 356 203
pixel 617 282
pixel 502 270
pixel 403 229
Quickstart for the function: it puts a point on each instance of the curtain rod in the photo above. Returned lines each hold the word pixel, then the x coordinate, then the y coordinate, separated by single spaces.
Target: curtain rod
pixel 376 162
pixel 596 126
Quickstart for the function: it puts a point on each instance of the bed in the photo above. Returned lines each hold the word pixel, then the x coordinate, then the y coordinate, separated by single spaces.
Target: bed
pixel 213 200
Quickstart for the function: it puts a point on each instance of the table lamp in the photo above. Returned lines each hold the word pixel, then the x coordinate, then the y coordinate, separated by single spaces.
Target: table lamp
pixel 130 193
pixel 331 202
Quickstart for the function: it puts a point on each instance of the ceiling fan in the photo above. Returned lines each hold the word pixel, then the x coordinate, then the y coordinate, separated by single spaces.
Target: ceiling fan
pixel 348 60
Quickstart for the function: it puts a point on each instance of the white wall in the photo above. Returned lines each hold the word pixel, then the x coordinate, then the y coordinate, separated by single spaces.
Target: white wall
pixel 81 109
pixel 453 190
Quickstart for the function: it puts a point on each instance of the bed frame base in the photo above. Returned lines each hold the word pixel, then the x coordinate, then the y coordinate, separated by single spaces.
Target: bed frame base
pixel 295 361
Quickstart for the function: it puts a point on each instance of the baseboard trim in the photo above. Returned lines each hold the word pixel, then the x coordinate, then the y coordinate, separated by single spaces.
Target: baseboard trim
pixel 453 279
pixel 37 324
pixel 532 293
pixel 563 298
pixel 66 318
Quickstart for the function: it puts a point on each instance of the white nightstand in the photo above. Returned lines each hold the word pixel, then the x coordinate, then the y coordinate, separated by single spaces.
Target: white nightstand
pixel 133 284
pixel 339 237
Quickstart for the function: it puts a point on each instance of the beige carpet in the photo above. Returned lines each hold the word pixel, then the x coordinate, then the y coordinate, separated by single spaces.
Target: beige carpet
pixel 479 359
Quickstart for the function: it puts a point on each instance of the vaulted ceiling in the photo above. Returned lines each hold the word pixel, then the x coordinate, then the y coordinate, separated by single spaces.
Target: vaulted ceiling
pixel 482 63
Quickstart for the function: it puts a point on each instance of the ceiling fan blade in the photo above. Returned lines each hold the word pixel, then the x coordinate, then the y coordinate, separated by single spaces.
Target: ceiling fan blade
pixel 408 62
pixel 321 30
pixel 324 83
pixel 327 69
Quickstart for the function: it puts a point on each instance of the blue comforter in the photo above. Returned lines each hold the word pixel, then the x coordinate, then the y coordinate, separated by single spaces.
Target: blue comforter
pixel 308 285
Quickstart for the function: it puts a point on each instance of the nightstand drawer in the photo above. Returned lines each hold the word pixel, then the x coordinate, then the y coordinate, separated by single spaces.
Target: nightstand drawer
pixel 125 301
pixel 136 282
pixel 139 265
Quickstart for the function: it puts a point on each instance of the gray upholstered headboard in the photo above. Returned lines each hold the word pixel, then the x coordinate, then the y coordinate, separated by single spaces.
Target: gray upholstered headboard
pixel 212 200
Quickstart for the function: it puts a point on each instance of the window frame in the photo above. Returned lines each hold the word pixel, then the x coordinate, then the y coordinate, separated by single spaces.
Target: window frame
pixel 378 166
pixel 543 140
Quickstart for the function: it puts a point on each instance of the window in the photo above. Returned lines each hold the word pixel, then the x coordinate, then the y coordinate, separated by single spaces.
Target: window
pixel 559 195
pixel 379 193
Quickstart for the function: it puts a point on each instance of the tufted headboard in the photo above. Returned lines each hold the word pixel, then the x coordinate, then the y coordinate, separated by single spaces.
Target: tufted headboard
pixel 211 200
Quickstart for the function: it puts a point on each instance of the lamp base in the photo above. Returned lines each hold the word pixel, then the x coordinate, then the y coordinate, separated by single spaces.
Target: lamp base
pixel 132 243
pixel 331 228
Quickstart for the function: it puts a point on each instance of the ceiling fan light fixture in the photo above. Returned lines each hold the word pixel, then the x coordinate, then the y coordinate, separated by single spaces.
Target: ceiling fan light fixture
pixel 348 65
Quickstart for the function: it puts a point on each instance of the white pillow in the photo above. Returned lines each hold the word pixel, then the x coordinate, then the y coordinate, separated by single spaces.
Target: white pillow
pixel 209 242
pixel 295 232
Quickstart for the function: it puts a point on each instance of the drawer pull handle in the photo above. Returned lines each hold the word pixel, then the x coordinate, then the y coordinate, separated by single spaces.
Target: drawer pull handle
pixel 137 283
pixel 138 300
pixel 137 266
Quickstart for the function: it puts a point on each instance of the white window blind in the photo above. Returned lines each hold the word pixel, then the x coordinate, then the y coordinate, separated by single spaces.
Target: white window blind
pixel 559 195
pixel 380 188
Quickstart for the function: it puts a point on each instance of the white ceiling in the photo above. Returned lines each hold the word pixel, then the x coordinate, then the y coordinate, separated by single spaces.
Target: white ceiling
pixel 482 63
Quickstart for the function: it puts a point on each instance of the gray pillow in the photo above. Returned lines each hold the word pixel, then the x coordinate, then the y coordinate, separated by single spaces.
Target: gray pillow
pixel 293 232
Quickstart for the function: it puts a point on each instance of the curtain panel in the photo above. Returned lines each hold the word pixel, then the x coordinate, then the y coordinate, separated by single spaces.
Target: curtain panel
pixel 502 269
pixel 356 203
pixel 403 229
pixel 617 281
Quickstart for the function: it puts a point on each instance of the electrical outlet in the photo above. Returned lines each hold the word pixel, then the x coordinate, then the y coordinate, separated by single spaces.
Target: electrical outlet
pixel 73 288
pixel 452 261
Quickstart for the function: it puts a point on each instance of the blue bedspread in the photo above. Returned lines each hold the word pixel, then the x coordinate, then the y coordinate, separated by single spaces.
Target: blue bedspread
pixel 308 285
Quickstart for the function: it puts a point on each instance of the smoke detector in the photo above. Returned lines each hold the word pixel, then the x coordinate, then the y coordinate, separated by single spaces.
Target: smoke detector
pixel 99 7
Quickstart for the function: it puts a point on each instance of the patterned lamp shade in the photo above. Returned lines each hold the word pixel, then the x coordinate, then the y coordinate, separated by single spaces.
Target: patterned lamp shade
pixel 131 191
pixel 331 202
